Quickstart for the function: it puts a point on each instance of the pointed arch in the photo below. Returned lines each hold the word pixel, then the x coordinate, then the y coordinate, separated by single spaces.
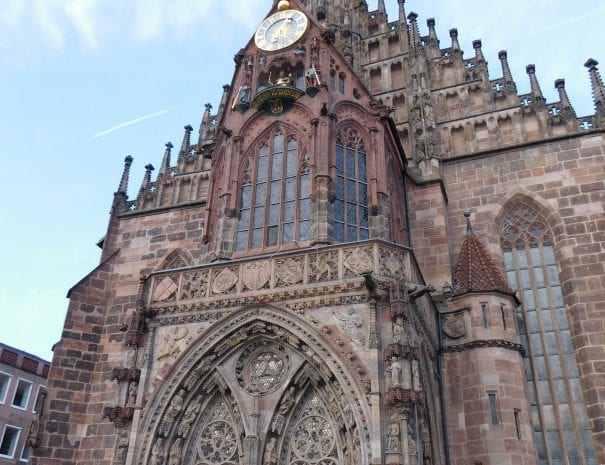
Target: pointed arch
pixel 257 358
pixel 350 219
pixel 551 368
pixel 177 258
pixel 275 192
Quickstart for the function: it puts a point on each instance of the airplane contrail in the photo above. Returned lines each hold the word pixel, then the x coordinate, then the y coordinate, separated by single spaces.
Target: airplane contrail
pixel 131 122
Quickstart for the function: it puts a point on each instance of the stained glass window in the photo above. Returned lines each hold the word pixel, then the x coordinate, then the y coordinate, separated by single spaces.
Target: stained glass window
pixel 558 409
pixel 275 203
pixel 350 209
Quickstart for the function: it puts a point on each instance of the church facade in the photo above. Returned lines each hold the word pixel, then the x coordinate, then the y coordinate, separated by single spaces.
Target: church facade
pixel 372 253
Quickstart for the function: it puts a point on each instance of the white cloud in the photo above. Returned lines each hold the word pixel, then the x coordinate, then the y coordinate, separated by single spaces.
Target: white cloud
pixel 38 25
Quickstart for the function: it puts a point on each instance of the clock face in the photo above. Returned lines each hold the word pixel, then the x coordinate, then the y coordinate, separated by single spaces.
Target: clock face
pixel 281 30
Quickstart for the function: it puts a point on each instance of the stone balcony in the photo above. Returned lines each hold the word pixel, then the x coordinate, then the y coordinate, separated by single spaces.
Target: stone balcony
pixel 300 277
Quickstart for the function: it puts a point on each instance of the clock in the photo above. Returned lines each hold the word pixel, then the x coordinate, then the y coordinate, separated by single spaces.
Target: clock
pixel 280 30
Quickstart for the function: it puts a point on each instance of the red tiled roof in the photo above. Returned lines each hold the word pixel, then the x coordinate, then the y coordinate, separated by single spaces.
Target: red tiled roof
pixel 476 271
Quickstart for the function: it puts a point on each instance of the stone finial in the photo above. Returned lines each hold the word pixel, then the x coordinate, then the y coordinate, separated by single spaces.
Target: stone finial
pixel 563 97
pixel 223 104
pixel 123 187
pixel 402 19
pixel 455 42
pixel 166 160
pixel 479 58
pixel 381 8
pixel 186 144
pixel 414 32
pixel 533 81
pixel 433 39
pixel 146 178
pixel 506 74
pixel 507 77
pixel 598 88
pixel 469 227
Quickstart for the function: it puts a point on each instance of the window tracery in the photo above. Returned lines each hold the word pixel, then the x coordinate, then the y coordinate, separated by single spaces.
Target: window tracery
pixel 313 438
pixel 351 217
pixel 217 441
pixel 275 201
pixel 561 430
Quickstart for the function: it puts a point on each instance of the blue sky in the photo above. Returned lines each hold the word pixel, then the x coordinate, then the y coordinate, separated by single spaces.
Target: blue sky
pixel 83 83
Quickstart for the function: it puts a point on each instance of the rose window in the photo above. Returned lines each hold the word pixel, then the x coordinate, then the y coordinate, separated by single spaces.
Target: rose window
pixel 262 369
pixel 313 439
pixel 218 443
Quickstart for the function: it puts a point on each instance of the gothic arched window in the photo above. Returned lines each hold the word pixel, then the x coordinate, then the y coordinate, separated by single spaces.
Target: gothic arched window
pixel 562 433
pixel 275 204
pixel 351 199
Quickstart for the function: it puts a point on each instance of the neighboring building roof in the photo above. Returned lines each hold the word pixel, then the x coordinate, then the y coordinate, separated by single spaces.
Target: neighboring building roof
pixel 24 361
pixel 476 272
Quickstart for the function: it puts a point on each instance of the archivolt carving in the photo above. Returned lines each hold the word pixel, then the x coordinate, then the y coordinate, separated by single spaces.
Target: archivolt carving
pixel 194 406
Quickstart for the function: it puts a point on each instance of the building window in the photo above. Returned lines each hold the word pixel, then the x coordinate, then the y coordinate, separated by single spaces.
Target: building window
pixel 485 315
pixel 517 414
pixel 503 313
pixel 558 409
pixel 351 200
pixel 8 444
pixel 341 83
pixel 25 453
pixel 492 398
pixel 275 203
pixel 36 399
pixel 5 381
pixel 22 393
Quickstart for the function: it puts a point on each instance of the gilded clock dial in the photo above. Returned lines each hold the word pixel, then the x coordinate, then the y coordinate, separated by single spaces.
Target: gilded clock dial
pixel 281 30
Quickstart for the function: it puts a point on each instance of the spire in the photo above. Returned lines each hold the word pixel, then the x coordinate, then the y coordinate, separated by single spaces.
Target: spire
pixel 402 19
pixel 536 92
pixel 455 43
pixel 598 89
pixel 186 143
pixel 507 77
pixel 223 104
pixel 480 63
pixel 146 179
pixel 433 44
pixel 123 187
pixel 414 33
pixel 469 226
pixel 479 58
pixel 205 123
pixel 166 160
pixel 476 272
pixel 568 114
pixel 381 8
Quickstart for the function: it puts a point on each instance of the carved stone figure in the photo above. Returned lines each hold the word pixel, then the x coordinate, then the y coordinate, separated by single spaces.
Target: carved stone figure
pixel 122 449
pixel 287 401
pixel 170 342
pixel 417 291
pixel 399 330
pixel 454 327
pixel 412 447
pixel 133 389
pixel 416 376
pixel 176 406
pixel 176 452
pixel 393 441
pixel 157 452
pixel 352 324
pixel 269 457
pixel 396 372
pixel 190 416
